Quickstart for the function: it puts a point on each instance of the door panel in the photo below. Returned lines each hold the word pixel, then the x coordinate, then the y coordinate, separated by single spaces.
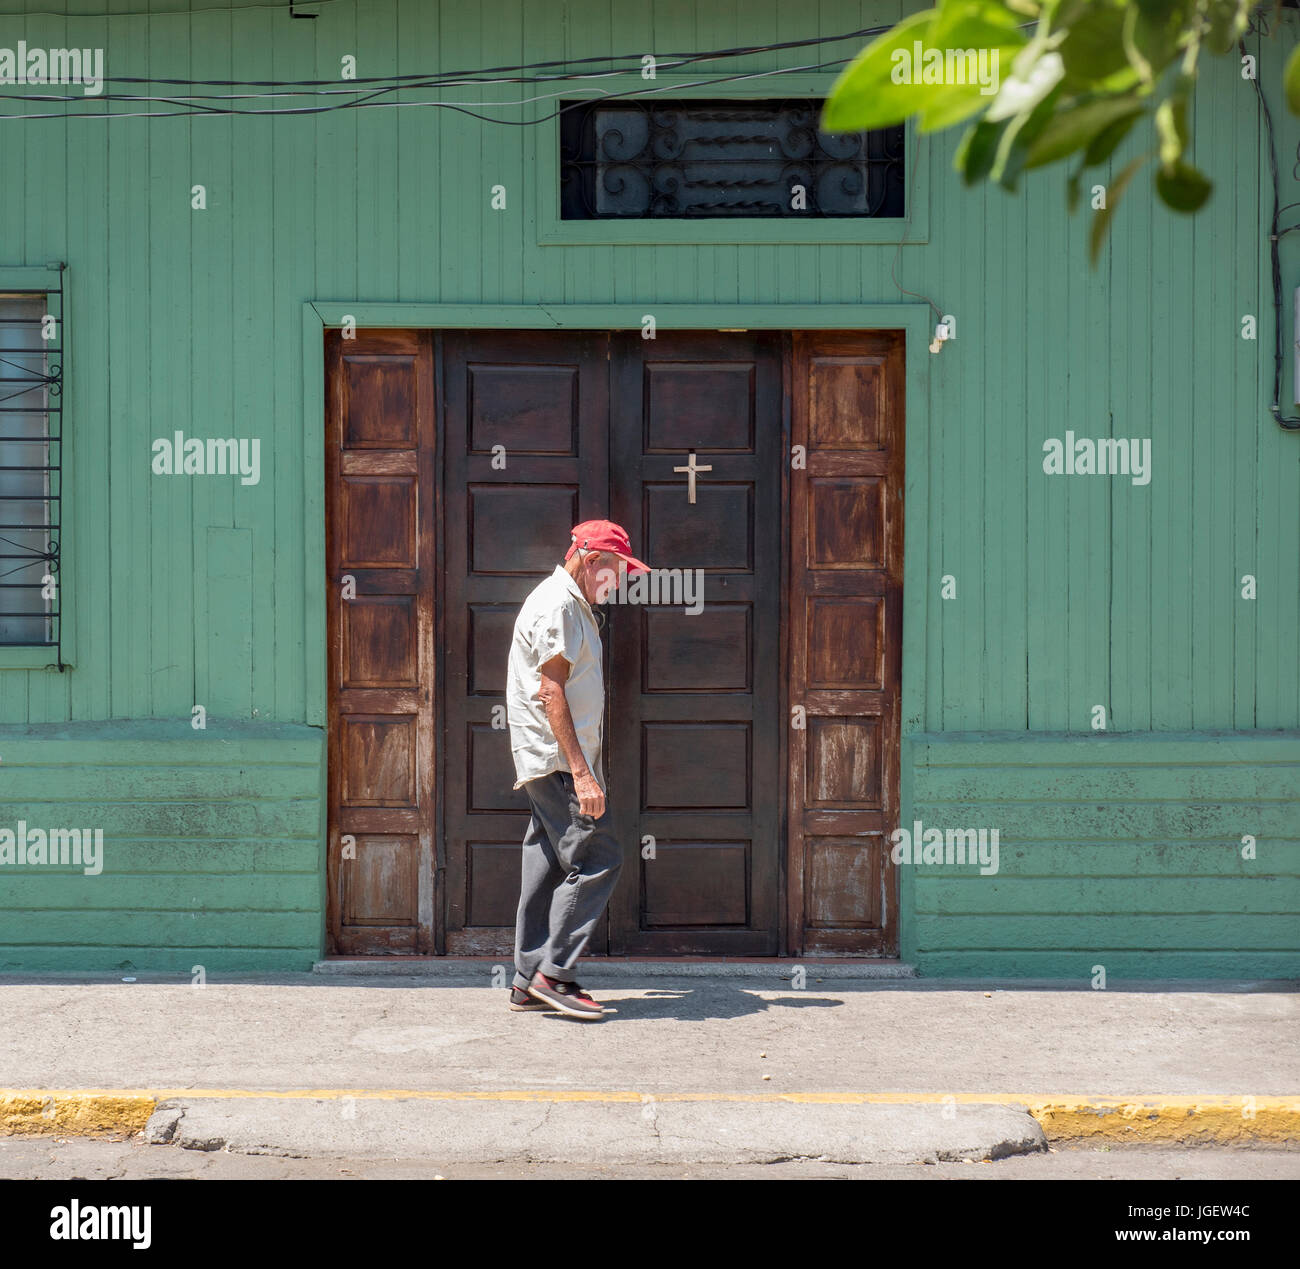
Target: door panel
pixel 694 698
pixel 846 629
pixel 380 533
pixel 526 425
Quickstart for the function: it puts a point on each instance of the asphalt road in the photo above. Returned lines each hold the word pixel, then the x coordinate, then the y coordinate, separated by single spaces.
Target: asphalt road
pixel 53 1159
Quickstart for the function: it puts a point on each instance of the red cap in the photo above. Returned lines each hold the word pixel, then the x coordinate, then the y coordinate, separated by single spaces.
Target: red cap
pixel 605 535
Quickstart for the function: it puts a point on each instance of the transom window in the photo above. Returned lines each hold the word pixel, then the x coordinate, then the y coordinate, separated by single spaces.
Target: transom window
pixel 690 159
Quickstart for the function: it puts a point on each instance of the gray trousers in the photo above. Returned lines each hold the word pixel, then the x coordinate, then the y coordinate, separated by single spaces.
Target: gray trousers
pixel 570 864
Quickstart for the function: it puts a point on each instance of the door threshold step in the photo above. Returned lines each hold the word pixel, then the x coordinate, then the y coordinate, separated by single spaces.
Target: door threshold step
pixel 596 970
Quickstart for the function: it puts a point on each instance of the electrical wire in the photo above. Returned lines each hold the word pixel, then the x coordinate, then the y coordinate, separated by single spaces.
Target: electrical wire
pixel 165 13
pixel 743 50
pixel 1275 243
pixel 198 105
pixel 366 101
pixel 337 87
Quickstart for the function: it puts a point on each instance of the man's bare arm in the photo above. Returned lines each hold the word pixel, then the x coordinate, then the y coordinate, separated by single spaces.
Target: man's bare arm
pixel 555 672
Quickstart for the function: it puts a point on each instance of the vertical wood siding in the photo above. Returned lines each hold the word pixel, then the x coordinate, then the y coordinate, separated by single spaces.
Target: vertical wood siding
pixel 1071 592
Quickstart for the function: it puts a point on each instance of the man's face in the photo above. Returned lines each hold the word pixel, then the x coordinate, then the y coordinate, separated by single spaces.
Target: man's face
pixel 600 572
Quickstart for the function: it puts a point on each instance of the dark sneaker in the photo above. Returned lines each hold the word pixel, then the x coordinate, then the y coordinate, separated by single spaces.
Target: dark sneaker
pixel 522 1002
pixel 568 998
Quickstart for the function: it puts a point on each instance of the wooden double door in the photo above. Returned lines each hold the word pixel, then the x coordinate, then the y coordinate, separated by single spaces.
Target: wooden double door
pixel 752 725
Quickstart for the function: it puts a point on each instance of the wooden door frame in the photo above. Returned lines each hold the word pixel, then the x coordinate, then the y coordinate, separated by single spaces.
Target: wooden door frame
pixel 912 319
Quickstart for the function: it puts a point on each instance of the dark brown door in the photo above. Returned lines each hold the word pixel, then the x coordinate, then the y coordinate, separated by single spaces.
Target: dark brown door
pixel 526 426
pixel 754 745
pixel 381 569
pixel 846 637
pixel 694 716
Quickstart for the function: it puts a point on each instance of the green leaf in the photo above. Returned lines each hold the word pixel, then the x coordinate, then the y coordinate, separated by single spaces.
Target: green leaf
pixel 1102 218
pixel 1151 32
pixel 988 39
pixel 1291 78
pixel 1182 187
pixel 976 24
pixel 1063 14
pixel 869 93
pixel 1034 74
pixel 1124 80
pixel 1171 127
pixel 978 149
pixel 1072 129
pixel 1228 22
pixel 959 103
pixel 1021 133
pixel 1094 45
pixel 1072 188
pixel 1107 141
pixel 882 87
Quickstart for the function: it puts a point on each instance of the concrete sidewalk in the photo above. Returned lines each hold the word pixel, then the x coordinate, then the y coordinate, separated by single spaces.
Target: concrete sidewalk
pixel 691 1068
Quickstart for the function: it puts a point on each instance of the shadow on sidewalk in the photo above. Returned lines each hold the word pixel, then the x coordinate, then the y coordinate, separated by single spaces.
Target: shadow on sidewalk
pixel 690 1003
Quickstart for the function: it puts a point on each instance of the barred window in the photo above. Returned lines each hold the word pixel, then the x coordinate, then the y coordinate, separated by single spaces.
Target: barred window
pixel 691 159
pixel 30 440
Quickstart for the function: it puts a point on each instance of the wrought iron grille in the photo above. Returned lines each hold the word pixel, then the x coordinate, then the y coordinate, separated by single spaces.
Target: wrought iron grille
pixel 31 467
pixel 687 159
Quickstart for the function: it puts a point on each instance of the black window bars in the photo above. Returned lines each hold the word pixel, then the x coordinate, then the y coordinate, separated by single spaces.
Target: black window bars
pixel 31 467
pixel 692 159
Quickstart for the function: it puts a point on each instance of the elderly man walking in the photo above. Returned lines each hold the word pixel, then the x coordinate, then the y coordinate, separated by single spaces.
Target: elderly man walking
pixel 555 704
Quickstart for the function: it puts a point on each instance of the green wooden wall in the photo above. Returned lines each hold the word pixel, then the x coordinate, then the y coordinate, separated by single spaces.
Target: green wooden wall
pixel 1070 592
pixel 212 846
pixel 1162 856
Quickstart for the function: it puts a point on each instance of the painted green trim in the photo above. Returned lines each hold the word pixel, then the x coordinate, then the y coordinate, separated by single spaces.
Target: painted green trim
pixel 544 168
pixel 293 742
pixel 41 656
pixel 322 839
pixel 26 656
pixel 1078 749
pixel 29 278
pixel 315 656
pixel 913 319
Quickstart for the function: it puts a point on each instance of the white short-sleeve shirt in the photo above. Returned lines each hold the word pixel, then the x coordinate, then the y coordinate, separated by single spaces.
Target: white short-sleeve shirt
pixel 555 620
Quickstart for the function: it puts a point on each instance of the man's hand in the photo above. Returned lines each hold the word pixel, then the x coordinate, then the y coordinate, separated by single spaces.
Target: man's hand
pixel 591 801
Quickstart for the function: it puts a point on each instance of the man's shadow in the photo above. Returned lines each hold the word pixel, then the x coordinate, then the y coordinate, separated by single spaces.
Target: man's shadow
pixel 696 1004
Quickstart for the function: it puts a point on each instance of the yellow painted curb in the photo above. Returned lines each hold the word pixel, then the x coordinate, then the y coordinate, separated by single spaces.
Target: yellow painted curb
pixel 1153 1120
pixel 33 1112
pixel 1213 1121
